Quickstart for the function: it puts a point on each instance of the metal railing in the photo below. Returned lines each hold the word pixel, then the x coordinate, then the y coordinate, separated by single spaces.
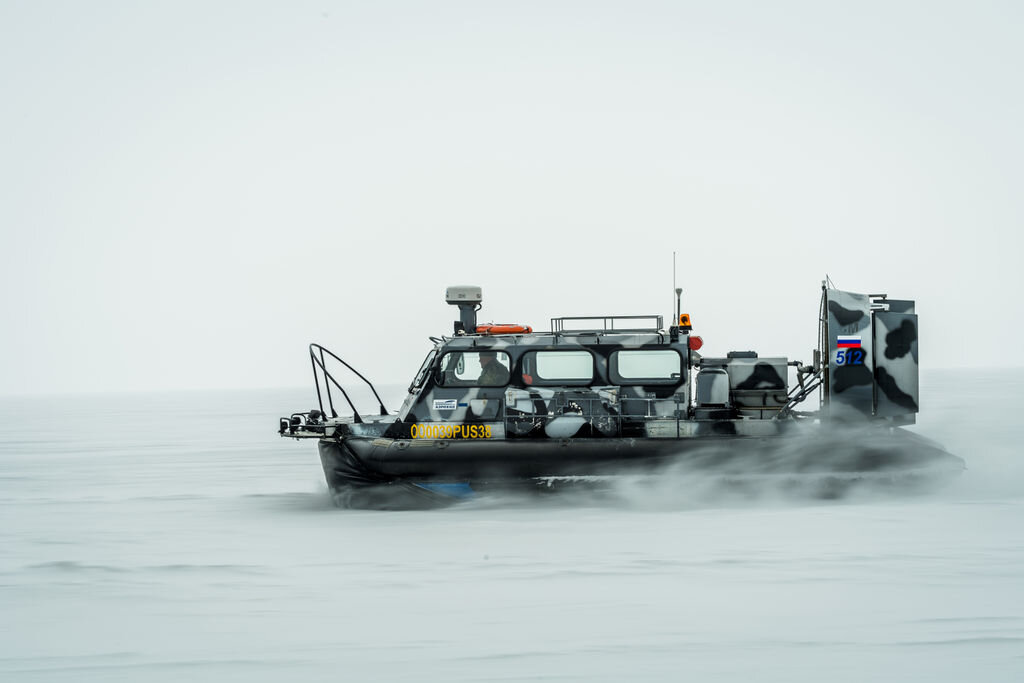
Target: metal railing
pixel 596 412
pixel 606 324
pixel 317 357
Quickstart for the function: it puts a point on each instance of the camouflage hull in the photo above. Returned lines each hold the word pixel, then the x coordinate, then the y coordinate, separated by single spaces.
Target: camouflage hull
pixel 383 473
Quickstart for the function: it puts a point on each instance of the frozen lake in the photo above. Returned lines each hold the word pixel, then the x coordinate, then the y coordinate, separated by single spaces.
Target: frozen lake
pixel 176 537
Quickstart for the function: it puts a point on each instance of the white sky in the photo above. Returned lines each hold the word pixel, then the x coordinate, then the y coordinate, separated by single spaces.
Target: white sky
pixel 190 192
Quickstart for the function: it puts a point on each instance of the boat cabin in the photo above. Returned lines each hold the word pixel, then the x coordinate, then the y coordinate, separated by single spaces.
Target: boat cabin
pixel 605 376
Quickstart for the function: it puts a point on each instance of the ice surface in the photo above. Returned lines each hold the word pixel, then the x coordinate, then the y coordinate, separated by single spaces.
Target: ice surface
pixel 176 537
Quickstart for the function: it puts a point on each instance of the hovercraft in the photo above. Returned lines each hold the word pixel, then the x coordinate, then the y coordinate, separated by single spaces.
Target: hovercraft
pixel 499 407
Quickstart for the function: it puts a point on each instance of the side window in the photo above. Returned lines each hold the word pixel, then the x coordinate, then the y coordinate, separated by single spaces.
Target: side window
pixel 553 368
pixel 475 368
pixel 647 366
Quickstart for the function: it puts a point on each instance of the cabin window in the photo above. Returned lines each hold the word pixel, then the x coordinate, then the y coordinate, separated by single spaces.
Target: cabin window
pixel 474 368
pixel 551 368
pixel 647 366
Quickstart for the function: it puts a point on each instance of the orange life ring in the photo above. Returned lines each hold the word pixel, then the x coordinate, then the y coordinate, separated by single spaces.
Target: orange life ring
pixel 504 328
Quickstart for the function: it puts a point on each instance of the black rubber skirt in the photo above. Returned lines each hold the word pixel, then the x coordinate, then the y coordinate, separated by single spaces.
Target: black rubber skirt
pixel 380 473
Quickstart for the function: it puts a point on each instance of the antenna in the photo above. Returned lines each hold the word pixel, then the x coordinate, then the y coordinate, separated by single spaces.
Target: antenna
pixel 678 290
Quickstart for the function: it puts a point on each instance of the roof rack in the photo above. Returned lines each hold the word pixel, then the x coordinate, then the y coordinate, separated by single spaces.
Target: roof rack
pixel 604 324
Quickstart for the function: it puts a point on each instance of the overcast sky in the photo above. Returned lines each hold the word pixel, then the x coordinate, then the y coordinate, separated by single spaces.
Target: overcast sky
pixel 190 192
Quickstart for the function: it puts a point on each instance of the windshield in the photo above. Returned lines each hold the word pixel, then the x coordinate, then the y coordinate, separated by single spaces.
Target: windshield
pixel 421 374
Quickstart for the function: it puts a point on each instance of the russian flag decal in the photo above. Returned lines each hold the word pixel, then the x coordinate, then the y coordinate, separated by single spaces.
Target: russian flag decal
pixel 848 342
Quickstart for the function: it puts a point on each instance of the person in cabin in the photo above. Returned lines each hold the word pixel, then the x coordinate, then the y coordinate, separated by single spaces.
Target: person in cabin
pixel 493 373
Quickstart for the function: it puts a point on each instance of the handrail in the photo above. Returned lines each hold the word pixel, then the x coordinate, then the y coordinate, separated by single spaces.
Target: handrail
pixel 799 394
pixel 321 363
pixel 607 324
pixel 614 416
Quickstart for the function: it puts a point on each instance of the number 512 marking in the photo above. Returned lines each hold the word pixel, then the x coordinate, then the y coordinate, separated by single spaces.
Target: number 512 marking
pixel 850 357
